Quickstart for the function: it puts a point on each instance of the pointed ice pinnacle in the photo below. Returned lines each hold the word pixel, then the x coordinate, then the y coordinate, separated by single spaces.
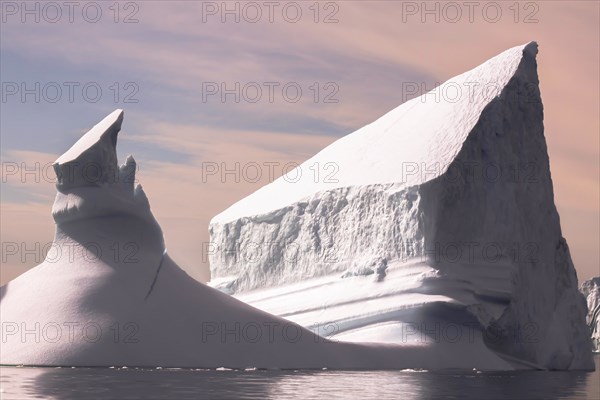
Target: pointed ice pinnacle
pixel 91 183
pixel 92 160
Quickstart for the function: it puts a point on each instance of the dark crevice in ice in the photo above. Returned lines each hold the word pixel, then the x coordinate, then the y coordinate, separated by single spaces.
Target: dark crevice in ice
pixel 162 259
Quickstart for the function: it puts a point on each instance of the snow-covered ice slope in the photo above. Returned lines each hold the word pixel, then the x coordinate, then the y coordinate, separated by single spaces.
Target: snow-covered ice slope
pixel 591 291
pixel 441 210
pixel 109 294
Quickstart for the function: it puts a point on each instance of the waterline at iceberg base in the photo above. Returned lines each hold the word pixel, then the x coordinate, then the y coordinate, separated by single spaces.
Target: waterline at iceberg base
pixel 438 231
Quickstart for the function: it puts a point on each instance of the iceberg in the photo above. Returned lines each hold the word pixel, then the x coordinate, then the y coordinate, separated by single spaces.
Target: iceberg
pixel 591 291
pixel 108 294
pixel 435 220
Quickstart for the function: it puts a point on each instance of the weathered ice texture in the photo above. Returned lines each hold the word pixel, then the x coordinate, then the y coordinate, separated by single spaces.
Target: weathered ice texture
pixel 591 291
pixel 441 210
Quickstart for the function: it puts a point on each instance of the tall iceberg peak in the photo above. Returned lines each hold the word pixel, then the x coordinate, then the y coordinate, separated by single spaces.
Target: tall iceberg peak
pixel 441 211
pixel 426 133
pixel 93 158
pixel 90 182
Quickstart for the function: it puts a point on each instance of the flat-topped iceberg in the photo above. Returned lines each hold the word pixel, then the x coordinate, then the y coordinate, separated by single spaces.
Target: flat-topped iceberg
pixel 433 222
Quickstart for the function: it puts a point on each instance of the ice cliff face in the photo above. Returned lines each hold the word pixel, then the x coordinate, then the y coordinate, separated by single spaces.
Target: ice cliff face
pixel 441 210
pixel 591 291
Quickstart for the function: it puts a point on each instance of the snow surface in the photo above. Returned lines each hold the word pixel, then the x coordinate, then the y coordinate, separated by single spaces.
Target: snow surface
pixel 108 294
pixel 389 247
pixel 420 132
pixel 591 291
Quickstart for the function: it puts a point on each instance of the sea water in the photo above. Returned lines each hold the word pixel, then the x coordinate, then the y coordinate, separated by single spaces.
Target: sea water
pixel 131 383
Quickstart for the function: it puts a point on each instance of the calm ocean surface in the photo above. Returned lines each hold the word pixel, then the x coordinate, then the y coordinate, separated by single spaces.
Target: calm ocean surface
pixel 104 383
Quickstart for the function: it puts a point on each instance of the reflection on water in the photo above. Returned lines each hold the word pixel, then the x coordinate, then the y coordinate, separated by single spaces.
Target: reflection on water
pixel 104 383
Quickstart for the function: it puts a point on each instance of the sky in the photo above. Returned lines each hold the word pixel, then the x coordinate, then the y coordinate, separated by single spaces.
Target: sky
pixel 213 89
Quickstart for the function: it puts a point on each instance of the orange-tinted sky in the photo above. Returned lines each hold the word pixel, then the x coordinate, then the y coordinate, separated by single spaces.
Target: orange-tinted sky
pixel 158 60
